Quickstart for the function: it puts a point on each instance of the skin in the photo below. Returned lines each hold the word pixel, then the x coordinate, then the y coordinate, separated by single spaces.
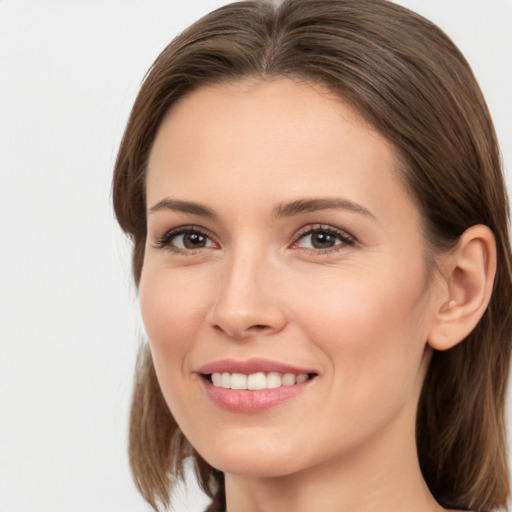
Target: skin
pixel 358 313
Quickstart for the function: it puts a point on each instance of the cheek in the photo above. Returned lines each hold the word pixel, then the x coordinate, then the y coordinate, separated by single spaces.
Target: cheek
pixel 373 329
pixel 167 303
pixel 172 310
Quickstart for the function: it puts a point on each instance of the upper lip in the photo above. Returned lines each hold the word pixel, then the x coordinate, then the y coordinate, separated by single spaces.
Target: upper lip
pixel 250 366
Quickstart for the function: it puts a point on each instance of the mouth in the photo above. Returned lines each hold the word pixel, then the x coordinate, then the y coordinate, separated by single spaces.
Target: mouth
pixel 256 381
pixel 254 385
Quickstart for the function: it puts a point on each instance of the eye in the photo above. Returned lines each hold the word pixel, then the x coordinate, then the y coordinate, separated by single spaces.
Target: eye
pixel 323 238
pixel 185 239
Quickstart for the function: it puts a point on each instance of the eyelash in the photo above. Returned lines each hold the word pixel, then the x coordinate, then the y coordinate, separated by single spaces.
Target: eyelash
pixel 165 241
pixel 343 237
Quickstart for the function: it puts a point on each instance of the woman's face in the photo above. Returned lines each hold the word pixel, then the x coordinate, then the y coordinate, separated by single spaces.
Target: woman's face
pixel 280 241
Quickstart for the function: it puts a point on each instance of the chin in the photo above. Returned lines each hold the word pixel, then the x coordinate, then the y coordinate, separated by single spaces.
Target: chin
pixel 256 457
pixel 253 465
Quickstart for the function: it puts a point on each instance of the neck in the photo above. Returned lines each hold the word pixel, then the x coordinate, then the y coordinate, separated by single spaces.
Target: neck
pixel 382 475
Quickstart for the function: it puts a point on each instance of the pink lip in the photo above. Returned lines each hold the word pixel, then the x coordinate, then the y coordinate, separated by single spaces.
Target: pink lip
pixel 251 366
pixel 247 401
pixel 251 401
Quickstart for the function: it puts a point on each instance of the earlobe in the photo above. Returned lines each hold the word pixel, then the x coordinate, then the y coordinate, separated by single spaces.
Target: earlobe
pixel 467 278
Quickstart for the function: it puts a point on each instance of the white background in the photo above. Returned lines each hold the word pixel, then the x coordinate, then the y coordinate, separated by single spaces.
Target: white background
pixel 69 72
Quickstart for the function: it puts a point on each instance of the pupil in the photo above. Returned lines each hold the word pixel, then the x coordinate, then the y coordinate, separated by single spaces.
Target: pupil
pixel 322 240
pixel 193 240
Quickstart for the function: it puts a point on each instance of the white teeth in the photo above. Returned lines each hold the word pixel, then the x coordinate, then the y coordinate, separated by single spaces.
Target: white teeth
pixel 238 381
pixel 217 379
pixel 256 381
pixel 288 379
pixel 303 377
pixel 273 380
pixel 226 381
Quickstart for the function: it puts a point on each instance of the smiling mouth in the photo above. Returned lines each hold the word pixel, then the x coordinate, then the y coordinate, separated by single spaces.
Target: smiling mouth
pixel 256 381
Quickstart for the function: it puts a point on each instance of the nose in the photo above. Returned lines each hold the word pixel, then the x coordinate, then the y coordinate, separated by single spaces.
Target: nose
pixel 248 302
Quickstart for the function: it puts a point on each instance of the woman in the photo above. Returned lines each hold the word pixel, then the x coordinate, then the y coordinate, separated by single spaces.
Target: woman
pixel 321 248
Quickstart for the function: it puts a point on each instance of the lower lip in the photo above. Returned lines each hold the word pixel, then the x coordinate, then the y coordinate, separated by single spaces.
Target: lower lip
pixel 245 400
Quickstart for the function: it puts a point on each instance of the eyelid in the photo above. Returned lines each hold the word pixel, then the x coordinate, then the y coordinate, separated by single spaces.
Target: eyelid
pixel 164 241
pixel 346 238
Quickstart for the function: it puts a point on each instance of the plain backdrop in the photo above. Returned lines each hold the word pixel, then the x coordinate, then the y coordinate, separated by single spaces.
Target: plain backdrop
pixel 69 328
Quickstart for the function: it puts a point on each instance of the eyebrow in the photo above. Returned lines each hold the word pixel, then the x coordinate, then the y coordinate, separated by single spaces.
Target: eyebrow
pixel 297 207
pixel 312 205
pixel 183 206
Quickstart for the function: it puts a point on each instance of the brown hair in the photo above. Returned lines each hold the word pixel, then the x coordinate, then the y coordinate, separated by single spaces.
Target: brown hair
pixel 407 79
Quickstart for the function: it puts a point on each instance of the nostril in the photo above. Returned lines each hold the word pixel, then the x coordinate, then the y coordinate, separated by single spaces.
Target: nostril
pixel 243 332
pixel 250 316
pixel 258 329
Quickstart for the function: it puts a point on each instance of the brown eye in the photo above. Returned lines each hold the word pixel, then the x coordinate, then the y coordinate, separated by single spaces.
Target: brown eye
pixel 324 239
pixel 193 240
pixel 185 239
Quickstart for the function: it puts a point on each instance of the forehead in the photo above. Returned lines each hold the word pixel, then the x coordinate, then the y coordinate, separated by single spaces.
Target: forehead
pixel 269 139
pixel 280 116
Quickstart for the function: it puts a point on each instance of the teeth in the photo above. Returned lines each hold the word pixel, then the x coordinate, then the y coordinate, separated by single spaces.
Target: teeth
pixel 217 379
pixel 288 379
pixel 225 380
pixel 238 381
pixel 303 377
pixel 256 381
pixel 273 380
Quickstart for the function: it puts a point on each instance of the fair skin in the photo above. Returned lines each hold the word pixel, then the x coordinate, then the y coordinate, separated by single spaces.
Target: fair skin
pixel 339 288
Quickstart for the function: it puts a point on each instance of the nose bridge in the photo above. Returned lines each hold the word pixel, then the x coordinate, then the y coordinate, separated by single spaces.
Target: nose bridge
pixel 247 301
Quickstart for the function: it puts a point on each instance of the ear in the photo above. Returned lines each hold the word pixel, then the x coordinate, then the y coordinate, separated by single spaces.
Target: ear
pixel 466 282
